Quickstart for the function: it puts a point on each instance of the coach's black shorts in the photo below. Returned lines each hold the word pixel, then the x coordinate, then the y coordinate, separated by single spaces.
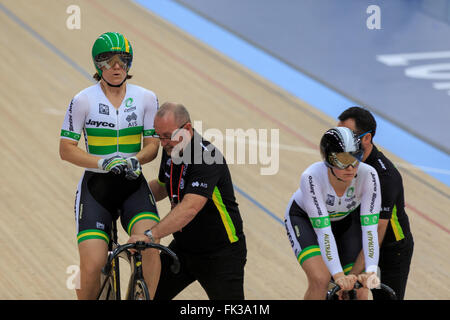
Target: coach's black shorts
pixel 220 273
pixel 103 197
pixel 394 264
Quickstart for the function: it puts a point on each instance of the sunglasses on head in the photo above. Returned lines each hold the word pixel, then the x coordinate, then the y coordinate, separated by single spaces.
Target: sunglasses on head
pixel 363 134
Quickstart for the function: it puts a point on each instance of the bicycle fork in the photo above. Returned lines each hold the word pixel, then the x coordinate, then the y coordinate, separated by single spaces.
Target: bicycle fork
pixel 137 282
pixel 116 278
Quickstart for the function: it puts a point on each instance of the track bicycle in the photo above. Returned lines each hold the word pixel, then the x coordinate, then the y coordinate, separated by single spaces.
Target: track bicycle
pixel 332 292
pixel 110 278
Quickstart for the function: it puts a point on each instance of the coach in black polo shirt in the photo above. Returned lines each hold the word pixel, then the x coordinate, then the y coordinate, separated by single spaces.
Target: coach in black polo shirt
pixel 204 219
pixel 393 228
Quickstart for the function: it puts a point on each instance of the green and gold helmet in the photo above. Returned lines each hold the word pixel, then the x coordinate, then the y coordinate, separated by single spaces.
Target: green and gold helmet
pixel 110 45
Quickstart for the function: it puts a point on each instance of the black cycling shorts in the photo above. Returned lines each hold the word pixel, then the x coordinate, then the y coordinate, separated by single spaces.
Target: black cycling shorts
pixel 104 197
pixel 220 273
pixel 347 233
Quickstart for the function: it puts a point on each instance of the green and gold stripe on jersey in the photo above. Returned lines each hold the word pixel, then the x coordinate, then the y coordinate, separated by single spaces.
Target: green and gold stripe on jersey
pixel 396 227
pixel 335 215
pixel 224 215
pixel 102 141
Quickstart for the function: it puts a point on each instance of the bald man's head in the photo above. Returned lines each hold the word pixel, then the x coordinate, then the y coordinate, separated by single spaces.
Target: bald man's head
pixel 176 110
pixel 173 125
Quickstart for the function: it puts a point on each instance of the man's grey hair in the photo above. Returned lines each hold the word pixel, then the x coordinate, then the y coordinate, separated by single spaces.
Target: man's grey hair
pixel 179 111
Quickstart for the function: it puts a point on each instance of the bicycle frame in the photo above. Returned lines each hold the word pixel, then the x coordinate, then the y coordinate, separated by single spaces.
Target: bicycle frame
pixel 136 277
pixel 110 288
pixel 111 280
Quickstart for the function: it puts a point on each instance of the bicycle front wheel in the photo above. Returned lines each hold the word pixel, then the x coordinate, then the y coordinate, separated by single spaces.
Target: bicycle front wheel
pixel 107 291
pixel 141 290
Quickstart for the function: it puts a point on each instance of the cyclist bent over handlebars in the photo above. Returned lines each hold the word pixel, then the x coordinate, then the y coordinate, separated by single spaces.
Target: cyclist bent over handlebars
pixel 334 214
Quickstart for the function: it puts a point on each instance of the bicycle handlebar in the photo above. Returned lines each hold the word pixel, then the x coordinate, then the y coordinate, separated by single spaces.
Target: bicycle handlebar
pixel 139 246
pixel 358 285
pixel 337 288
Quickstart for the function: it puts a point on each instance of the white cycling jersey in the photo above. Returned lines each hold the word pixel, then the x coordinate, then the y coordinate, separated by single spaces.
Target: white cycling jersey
pixel 109 131
pixel 318 199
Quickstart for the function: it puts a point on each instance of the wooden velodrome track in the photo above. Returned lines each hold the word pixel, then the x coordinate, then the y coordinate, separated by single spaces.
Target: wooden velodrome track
pixel 44 64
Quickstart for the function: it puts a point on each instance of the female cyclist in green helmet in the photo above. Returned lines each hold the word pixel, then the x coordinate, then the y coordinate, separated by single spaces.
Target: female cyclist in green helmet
pixel 111 48
pixel 116 119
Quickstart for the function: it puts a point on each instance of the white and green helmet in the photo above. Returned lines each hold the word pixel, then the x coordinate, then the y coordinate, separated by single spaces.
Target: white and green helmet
pixel 111 42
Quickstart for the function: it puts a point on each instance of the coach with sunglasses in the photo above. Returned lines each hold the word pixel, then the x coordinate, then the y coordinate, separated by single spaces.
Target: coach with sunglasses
pixel 394 233
pixel 204 217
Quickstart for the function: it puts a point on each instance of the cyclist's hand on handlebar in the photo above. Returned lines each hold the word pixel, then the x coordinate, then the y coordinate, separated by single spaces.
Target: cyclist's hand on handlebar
pixel 135 238
pixel 369 280
pixel 346 282
pixel 134 169
pixel 343 295
pixel 115 164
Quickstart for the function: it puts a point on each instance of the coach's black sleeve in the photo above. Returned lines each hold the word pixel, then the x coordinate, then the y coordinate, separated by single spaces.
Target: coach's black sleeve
pixel 389 194
pixel 162 171
pixel 203 178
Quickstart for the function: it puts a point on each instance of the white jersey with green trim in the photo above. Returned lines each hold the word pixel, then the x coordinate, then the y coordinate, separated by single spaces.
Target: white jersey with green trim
pixel 109 131
pixel 317 197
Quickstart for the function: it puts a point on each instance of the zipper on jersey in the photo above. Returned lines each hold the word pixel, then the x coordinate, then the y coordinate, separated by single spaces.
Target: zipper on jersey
pixel 117 124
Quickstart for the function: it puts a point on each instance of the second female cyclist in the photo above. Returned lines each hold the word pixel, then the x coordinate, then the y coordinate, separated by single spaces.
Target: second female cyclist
pixel 333 214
